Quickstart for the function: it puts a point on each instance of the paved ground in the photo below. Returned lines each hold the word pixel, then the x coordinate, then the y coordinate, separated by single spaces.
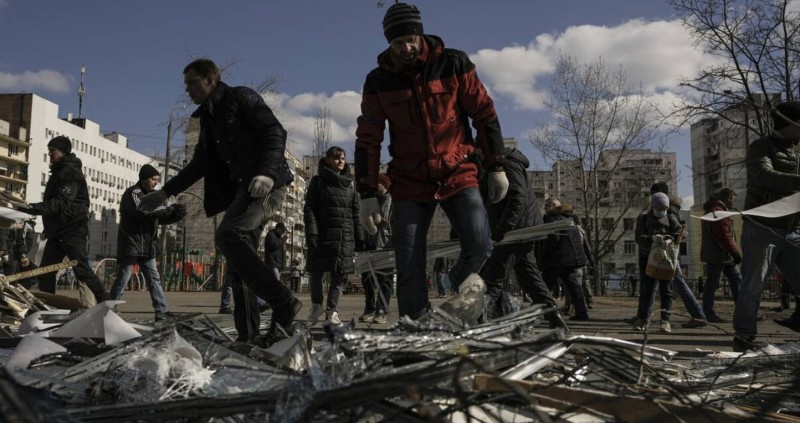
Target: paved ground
pixel 606 319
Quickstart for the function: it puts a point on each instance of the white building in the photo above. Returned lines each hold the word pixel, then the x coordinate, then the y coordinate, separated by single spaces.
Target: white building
pixel 109 165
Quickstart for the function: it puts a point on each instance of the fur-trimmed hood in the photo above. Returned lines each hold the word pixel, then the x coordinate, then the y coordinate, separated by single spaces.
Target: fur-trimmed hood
pixel 562 209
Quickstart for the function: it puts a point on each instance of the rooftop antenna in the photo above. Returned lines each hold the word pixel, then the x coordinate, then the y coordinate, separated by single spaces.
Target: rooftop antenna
pixel 81 92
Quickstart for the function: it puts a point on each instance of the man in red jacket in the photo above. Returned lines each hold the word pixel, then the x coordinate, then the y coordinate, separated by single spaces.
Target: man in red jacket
pixel 429 94
pixel 720 253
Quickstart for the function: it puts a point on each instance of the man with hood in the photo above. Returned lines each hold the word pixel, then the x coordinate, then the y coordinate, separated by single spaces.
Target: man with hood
pixel 772 174
pixel 719 252
pixel 429 94
pixel 518 210
pixel 65 215
pixel 240 157
pixel 137 239
pixel 275 248
pixel 562 255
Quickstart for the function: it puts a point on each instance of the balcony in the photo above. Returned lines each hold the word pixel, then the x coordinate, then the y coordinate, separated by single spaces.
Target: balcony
pixel 14 141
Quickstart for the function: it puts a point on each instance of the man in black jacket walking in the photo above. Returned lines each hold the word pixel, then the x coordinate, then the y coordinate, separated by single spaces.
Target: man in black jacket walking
pixel 275 248
pixel 137 238
pixel 518 210
pixel 240 157
pixel 65 214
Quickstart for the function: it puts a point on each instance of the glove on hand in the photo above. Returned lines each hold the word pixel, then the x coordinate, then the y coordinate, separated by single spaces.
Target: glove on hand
pixel 260 186
pixel 498 186
pixel 370 215
pixel 152 201
pixel 737 258
pixel 179 210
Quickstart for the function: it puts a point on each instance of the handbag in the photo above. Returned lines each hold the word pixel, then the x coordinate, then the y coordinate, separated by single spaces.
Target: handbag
pixel 663 259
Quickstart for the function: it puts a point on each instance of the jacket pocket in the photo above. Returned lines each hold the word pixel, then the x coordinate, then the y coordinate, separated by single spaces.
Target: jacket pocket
pixel 441 100
pixel 399 107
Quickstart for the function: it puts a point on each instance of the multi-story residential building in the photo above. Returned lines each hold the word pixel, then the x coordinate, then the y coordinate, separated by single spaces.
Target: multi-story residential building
pixel 109 165
pixel 719 148
pixel 623 187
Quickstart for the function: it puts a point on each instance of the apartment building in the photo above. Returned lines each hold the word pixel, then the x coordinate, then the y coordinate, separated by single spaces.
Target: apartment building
pixel 29 122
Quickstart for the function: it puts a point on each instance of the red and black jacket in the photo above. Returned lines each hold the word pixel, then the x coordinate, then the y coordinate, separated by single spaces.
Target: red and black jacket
pixel 428 109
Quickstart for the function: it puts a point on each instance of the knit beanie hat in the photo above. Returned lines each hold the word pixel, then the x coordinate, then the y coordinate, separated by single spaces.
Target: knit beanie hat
pixel 147 172
pixel 785 113
pixel 402 19
pixel 659 200
pixel 384 180
pixel 61 143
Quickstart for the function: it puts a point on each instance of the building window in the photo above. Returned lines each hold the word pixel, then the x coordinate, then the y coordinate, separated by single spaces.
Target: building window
pixel 629 223
pixel 630 247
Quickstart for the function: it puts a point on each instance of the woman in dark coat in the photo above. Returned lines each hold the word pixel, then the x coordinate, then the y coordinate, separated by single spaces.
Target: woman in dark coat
pixel 332 230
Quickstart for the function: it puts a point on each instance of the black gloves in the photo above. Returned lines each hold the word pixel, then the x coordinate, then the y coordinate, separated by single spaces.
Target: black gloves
pixel 737 258
pixel 179 210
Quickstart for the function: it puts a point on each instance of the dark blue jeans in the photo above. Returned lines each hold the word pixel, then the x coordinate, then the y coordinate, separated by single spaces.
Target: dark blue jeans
pixel 761 248
pixel 377 291
pixel 148 268
pixel 410 223
pixel 713 273
pixel 647 294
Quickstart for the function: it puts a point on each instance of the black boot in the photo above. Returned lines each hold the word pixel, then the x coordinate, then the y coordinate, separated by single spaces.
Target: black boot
pixel 555 321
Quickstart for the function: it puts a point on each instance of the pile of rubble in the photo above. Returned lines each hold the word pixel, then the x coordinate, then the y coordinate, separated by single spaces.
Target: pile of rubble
pixel 95 366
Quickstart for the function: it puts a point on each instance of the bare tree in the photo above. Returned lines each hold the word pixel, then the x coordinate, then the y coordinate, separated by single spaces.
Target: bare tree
pixel 322 132
pixel 601 134
pixel 756 44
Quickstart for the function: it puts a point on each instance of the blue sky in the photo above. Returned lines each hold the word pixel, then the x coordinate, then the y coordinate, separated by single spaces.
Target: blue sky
pixel 321 50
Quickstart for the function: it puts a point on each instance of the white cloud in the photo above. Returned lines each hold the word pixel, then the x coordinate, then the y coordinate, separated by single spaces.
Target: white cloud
pixel 47 80
pixel 655 53
pixel 297 114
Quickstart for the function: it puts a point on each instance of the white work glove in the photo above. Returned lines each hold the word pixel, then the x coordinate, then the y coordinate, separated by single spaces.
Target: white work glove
pixel 370 214
pixel 260 186
pixel 152 201
pixel 498 186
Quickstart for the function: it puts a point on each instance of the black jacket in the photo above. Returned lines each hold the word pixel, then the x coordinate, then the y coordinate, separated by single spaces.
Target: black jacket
pixel 137 234
pixel 274 250
pixel 331 218
pixel 647 225
pixel 565 248
pixel 240 138
pixel 773 172
pixel 520 208
pixel 65 203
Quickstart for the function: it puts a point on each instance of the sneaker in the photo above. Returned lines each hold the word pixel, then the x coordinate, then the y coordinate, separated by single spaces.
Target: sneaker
pixel 714 318
pixel 745 343
pixel 638 323
pixel 313 316
pixel 379 319
pixel 665 326
pixel 165 315
pixel 694 323
pixel 333 318
pixel 225 310
pixel 366 317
